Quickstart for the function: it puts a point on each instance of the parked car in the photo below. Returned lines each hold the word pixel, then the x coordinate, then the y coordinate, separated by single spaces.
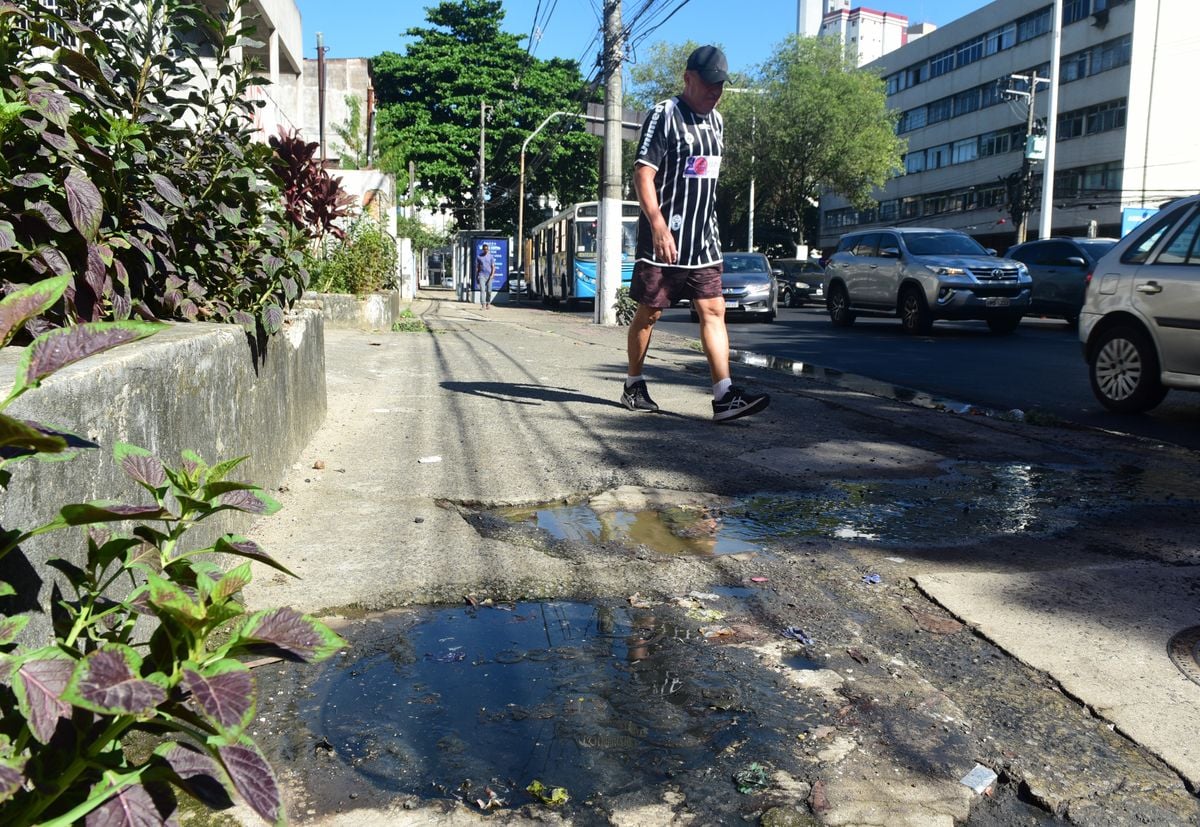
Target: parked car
pixel 748 286
pixel 921 275
pixel 803 280
pixel 1060 269
pixel 1140 322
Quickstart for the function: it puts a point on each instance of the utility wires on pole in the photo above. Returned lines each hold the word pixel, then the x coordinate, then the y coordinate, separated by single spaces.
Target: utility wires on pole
pixel 1020 185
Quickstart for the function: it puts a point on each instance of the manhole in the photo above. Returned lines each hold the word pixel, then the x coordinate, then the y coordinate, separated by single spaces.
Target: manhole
pixel 1184 650
pixel 602 699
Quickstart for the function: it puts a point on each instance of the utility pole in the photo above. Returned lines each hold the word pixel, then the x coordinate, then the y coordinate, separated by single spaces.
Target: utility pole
pixel 1044 228
pixel 1021 191
pixel 321 50
pixel 608 273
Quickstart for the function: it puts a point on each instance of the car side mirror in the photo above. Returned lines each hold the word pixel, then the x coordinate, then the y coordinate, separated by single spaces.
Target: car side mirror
pixel 889 252
pixel 776 272
pixel 991 251
pixel 1075 261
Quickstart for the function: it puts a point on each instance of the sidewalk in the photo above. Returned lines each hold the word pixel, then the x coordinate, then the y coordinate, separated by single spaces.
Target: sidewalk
pixel 517 405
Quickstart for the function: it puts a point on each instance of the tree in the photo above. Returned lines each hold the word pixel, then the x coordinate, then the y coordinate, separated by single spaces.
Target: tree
pixel 353 135
pixel 820 124
pixel 429 113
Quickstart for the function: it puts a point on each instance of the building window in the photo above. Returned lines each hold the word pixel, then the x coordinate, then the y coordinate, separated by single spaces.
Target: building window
pixel 910 207
pixel 997 40
pixel 966 150
pixel 888 210
pixel 910 120
pixel 1105 117
pixel 937 156
pixel 965 102
pixel 969 51
pixel 1074 67
pixel 1033 25
pixel 990 94
pixel 994 143
pixel 1075 10
pixel 941 63
pixel 1070 125
pixel 916 74
pixel 941 110
pixel 914 162
pixel 1112 54
pixel 1104 177
pixel 893 84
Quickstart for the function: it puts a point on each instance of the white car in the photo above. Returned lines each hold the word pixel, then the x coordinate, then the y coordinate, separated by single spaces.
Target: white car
pixel 1140 322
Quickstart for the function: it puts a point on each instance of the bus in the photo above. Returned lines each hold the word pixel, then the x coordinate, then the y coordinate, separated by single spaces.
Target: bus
pixel 562 253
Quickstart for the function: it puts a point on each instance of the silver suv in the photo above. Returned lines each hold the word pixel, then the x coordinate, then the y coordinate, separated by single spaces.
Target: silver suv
pixel 922 274
pixel 1140 323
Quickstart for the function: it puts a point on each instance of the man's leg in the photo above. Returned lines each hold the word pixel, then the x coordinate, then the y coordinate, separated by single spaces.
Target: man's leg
pixel 714 336
pixel 634 395
pixel 638 340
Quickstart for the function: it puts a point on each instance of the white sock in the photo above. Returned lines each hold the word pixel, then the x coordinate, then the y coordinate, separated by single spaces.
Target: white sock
pixel 722 388
pixel 632 380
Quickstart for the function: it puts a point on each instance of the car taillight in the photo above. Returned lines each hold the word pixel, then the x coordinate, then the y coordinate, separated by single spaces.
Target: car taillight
pixel 1087 281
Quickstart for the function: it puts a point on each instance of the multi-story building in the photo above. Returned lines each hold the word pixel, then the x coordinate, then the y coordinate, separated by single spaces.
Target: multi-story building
pixel 868 34
pixel 1125 139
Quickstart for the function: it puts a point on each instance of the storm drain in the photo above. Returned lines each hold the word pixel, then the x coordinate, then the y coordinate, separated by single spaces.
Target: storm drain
pixel 1184 650
pixel 482 704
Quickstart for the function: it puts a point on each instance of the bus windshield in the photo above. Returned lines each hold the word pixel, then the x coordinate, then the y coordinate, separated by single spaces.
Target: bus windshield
pixel 586 238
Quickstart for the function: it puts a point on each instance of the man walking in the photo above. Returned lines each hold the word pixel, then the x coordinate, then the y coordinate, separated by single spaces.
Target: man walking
pixel 678 251
pixel 485 271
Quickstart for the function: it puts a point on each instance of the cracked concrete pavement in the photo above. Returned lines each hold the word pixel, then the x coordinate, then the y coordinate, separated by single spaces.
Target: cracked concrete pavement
pixel 517 405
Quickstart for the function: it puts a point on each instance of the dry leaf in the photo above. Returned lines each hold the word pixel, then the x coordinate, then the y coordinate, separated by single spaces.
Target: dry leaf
pixel 934 624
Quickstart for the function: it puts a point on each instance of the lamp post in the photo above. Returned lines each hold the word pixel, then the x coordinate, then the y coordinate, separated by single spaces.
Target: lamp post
pixel 753 138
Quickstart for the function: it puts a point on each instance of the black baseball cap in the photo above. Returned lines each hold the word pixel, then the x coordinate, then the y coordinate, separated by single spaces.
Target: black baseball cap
pixel 709 62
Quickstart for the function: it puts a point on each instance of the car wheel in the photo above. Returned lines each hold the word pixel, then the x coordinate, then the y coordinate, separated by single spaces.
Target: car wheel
pixel 914 313
pixel 1003 325
pixel 1124 371
pixel 787 297
pixel 838 305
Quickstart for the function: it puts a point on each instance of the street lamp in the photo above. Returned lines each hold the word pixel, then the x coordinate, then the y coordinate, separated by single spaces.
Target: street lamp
pixel 753 136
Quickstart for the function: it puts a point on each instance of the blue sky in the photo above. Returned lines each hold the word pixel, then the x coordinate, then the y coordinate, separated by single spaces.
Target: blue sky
pixel 748 29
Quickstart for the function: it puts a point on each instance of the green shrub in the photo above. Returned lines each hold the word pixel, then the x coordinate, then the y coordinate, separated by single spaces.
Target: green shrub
pixel 67 708
pixel 625 307
pixel 362 262
pixel 127 161
pixel 409 322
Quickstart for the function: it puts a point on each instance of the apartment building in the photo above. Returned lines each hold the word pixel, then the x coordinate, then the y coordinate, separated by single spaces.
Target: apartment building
pixel 868 34
pixel 1125 136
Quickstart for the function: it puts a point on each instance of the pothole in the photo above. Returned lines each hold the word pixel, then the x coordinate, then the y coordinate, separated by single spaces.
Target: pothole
pixel 962 504
pixel 1184 649
pixel 475 703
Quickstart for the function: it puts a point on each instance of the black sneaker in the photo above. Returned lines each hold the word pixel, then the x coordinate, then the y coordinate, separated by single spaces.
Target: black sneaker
pixel 738 402
pixel 637 398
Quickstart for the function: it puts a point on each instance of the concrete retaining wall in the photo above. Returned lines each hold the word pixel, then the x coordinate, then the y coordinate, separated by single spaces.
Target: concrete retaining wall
pixel 197 386
pixel 377 311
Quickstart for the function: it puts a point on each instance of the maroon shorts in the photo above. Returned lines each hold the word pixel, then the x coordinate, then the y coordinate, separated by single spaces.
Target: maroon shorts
pixel 660 287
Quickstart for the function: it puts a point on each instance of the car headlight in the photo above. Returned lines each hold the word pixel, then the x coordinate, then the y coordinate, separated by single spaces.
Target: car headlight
pixel 1023 273
pixel 584 276
pixel 938 270
pixel 758 288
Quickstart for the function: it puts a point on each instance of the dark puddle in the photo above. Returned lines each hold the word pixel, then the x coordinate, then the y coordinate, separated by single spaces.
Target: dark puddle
pixel 959 506
pixel 601 700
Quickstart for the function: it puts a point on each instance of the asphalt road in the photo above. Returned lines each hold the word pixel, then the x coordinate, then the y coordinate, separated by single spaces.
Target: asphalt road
pixel 1037 369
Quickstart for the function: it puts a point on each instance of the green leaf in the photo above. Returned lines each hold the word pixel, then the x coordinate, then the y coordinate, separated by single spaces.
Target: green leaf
pixel 109 681
pixel 63 346
pixel 106 512
pixel 167 190
pixel 255 501
pixel 6 589
pixel 141 466
pixel 8 236
pixel 224 693
pixel 288 634
pixel 222 469
pixel 53 106
pixel 171 599
pixel 85 203
pixel 12 626
pixel 242 547
pixel 22 305
pixel 17 434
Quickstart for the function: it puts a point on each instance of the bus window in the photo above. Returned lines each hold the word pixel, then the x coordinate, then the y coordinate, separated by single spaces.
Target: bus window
pixel 629 237
pixel 586 244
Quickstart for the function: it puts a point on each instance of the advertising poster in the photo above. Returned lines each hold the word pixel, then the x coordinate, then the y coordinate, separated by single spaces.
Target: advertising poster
pixel 488 252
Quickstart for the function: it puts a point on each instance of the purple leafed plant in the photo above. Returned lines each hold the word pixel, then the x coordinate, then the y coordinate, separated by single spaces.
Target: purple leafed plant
pixel 66 708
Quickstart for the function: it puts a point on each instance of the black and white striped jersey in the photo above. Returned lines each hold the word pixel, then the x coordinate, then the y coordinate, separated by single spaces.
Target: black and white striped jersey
pixel 685 151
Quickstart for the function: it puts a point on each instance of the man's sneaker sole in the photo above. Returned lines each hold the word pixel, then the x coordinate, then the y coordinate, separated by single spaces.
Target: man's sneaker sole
pixel 745 410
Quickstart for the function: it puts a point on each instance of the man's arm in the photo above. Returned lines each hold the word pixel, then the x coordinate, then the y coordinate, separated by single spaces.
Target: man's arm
pixel 664 242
